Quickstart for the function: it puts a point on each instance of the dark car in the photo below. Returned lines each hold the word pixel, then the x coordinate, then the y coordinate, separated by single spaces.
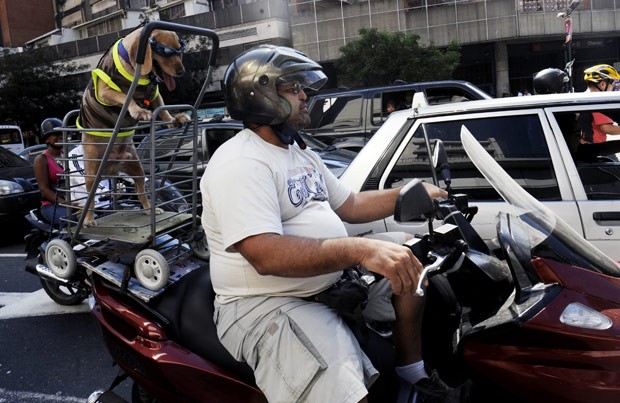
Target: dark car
pixel 178 165
pixel 19 193
pixel 348 117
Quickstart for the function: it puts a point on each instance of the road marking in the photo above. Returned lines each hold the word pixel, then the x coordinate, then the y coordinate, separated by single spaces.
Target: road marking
pixel 38 303
pixel 13 254
pixel 9 396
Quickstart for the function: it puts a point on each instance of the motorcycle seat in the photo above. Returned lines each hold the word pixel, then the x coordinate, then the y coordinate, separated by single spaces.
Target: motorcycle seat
pixel 36 219
pixel 188 306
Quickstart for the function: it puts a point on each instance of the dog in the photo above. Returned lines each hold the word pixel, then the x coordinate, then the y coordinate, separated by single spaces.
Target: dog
pixel 105 95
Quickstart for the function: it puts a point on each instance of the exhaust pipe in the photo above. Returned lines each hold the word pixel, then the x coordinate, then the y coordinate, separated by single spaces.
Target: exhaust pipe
pixel 44 271
pixel 101 396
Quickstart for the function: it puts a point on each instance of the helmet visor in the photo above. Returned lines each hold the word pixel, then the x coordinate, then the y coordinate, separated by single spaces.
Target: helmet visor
pixel 309 79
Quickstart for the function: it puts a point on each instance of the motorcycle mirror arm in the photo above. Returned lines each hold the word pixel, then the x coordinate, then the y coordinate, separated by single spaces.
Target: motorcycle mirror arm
pixel 440 165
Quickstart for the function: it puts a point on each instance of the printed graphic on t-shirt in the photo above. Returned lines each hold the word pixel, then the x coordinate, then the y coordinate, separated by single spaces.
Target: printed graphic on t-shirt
pixel 306 184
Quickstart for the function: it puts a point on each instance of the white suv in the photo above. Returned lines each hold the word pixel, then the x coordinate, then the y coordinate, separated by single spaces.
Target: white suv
pixel 535 139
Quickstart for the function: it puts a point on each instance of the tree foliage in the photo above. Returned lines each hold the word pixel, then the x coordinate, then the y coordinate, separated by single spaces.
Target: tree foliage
pixel 380 58
pixel 34 85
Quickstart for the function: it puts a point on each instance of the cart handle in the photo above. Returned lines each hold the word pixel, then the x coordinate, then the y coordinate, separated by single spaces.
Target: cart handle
pixel 171 26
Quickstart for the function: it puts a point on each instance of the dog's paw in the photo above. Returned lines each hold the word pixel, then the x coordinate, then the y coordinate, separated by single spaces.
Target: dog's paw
pixel 140 113
pixel 158 211
pixel 182 118
pixel 90 223
pixel 179 120
pixel 89 220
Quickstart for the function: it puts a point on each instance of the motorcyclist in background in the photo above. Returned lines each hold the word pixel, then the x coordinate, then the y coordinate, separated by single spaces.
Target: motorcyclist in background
pixel 47 169
pixel 550 81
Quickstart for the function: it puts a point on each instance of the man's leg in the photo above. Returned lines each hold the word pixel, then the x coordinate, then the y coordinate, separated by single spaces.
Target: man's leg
pixel 408 339
pixel 407 327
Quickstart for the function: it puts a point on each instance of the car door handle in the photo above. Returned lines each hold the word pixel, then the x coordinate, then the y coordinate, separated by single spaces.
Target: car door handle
pixel 606 215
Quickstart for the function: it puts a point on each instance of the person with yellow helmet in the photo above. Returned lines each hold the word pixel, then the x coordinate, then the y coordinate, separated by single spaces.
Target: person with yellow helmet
pixel 596 126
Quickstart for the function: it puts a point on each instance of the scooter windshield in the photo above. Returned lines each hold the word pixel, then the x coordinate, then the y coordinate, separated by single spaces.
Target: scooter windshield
pixel 549 235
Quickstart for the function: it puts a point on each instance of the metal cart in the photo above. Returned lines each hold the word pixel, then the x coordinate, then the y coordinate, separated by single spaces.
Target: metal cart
pixel 141 251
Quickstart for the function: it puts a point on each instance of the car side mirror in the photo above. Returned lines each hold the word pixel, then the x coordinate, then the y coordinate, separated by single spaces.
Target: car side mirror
pixel 413 202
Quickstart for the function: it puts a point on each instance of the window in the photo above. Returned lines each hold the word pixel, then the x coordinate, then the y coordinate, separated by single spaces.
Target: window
pixel 517 143
pixel 217 137
pixel 337 112
pixel 384 103
pixel 10 136
pixel 444 95
pixel 597 163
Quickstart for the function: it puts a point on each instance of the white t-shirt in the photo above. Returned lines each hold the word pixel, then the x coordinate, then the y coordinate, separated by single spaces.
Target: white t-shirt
pixel 252 187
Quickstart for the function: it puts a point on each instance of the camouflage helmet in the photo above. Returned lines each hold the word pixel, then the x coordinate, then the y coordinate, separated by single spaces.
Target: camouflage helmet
pixel 250 82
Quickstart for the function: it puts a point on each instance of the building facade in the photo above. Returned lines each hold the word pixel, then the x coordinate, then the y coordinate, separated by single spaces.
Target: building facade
pixel 504 42
pixel 21 21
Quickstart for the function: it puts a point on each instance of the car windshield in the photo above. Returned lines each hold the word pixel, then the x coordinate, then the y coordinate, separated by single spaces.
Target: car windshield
pixel 10 159
pixel 549 235
pixel 10 136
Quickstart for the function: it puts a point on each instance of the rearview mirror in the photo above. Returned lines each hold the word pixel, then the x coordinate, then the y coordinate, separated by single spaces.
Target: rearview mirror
pixel 440 162
pixel 413 202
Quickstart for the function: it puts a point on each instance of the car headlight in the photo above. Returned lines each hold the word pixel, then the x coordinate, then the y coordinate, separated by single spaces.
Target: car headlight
pixel 10 187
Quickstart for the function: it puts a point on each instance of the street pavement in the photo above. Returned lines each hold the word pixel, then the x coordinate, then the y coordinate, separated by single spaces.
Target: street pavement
pixel 48 352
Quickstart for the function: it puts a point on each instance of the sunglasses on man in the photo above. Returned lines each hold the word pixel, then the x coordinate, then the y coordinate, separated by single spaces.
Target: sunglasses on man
pixel 291 88
pixel 166 51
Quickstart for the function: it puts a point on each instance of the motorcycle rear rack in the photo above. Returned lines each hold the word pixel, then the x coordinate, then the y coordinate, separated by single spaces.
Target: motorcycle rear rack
pixel 114 273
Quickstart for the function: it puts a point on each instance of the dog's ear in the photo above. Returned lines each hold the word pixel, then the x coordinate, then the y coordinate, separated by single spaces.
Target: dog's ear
pixel 132 49
pixel 147 66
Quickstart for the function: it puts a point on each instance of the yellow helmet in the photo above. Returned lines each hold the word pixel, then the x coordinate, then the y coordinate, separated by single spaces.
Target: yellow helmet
pixel 601 72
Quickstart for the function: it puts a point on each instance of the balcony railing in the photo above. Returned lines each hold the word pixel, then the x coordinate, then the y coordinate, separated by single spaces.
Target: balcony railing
pixel 545 6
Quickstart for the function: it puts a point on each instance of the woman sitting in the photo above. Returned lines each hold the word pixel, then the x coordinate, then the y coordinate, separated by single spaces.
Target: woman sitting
pixel 47 169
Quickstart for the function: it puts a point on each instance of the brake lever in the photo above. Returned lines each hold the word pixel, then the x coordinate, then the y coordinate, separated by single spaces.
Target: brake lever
pixel 452 260
pixel 436 265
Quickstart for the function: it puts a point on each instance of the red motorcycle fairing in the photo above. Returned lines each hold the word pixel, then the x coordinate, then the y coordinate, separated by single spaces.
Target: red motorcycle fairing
pixel 167 370
pixel 545 360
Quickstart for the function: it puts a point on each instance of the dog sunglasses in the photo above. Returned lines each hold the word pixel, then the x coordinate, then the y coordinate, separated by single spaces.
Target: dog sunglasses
pixel 166 51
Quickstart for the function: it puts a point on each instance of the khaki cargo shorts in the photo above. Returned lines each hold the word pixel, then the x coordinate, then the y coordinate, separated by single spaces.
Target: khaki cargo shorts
pixel 300 351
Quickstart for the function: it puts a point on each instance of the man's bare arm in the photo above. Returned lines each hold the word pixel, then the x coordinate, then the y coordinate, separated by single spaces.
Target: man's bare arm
pixel 288 256
pixel 375 205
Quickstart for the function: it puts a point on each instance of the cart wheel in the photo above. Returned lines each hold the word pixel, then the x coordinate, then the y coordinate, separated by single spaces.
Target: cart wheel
pixel 151 269
pixel 199 245
pixel 60 258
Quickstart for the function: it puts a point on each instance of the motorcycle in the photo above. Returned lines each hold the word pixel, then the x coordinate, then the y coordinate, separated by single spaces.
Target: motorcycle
pixel 532 317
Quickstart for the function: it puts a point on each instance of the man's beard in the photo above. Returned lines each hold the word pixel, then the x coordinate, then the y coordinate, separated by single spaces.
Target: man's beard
pixel 299 121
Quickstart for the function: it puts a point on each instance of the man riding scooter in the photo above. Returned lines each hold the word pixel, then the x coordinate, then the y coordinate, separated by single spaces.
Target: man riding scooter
pixel 273 214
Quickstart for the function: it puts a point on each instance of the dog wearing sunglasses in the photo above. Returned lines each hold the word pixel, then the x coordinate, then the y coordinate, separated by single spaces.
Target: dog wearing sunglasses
pixel 106 94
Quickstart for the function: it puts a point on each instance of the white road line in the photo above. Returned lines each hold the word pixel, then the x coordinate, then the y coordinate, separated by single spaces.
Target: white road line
pixel 38 303
pixel 14 396
pixel 13 254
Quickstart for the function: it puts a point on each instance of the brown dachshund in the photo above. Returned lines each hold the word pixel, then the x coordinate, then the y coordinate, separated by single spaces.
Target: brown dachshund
pixel 105 95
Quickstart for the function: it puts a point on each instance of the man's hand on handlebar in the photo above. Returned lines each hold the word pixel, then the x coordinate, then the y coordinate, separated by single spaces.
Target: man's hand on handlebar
pixel 435 192
pixel 396 263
